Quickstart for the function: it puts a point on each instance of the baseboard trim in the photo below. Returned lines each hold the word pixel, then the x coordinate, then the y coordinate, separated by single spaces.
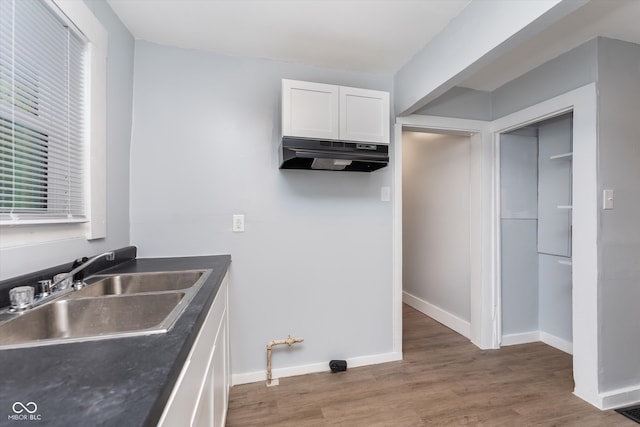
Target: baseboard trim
pixel 535 336
pixel 356 362
pixel 613 399
pixel 555 342
pixel 620 398
pixel 313 368
pixel 521 338
pixel 449 320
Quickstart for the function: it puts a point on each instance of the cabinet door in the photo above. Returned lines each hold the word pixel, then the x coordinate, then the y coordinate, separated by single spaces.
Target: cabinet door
pixel 364 115
pixel 219 385
pixel 309 110
pixel 203 414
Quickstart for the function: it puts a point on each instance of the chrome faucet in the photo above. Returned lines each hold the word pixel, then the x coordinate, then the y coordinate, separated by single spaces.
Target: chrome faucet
pixel 49 289
pixel 77 284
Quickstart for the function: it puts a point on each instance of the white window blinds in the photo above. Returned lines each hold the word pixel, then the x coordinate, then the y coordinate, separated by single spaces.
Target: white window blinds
pixel 43 137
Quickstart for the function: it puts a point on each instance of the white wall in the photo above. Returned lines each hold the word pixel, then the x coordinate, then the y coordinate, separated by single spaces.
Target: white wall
pixel 619 239
pixel 554 229
pixel 479 34
pixel 24 259
pixel 435 223
pixel 460 102
pixel 571 70
pixel 568 71
pixel 518 231
pixel 554 300
pixel 315 259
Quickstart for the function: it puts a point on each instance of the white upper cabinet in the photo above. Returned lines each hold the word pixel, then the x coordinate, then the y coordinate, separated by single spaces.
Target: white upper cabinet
pixel 316 110
pixel 364 115
pixel 309 110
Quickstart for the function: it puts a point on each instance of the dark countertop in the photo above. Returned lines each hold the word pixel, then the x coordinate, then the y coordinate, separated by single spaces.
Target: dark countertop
pixel 112 382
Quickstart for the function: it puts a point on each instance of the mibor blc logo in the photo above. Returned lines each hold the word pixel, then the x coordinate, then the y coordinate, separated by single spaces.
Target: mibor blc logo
pixel 24 412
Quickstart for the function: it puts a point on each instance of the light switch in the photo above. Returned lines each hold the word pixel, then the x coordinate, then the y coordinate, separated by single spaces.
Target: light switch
pixel 238 223
pixel 385 194
pixel 607 199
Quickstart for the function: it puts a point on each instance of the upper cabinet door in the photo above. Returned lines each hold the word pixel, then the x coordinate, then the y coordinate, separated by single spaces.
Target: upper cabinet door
pixel 309 110
pixel 364 115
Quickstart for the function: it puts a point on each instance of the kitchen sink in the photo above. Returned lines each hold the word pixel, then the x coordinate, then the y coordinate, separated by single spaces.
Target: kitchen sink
pixel 137 283
pixel 110 306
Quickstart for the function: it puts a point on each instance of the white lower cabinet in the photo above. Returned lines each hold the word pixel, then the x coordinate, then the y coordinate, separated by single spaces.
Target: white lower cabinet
pixel 220 376
pixel 201 394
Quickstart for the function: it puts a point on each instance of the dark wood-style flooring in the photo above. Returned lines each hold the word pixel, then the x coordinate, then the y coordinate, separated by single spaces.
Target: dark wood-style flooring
pixel 444 380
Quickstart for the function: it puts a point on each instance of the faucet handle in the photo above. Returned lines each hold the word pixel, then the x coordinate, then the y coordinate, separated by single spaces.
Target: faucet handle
pixel 21 297
pixel 62 282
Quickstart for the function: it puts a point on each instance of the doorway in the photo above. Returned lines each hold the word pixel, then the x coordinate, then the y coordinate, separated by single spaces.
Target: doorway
pixel 535 233
pixel 436 226
pixel 474 322
pixel 582 102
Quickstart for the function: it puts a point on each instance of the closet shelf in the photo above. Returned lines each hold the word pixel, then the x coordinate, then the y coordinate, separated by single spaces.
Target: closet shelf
pixel 565 207
pixel 562 156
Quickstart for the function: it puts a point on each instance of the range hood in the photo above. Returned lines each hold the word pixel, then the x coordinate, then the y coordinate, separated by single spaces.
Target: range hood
pixel 299 153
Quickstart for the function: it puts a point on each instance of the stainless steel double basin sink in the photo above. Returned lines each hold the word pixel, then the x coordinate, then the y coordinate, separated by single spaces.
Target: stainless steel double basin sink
pixel 110 306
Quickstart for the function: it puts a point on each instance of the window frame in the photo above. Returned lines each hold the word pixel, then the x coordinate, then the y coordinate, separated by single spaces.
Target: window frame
pixel 11 235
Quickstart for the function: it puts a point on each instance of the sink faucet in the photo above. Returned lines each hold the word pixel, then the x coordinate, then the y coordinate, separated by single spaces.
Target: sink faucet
pixel 79 266
pixel 48 289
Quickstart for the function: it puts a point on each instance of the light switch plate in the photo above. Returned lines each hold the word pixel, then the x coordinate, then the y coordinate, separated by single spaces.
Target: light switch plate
pixel 607 199
pixel 238 223
pixel 385 194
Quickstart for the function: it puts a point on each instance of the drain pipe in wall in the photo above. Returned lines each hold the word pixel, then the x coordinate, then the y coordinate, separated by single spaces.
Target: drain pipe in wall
pixel 289 341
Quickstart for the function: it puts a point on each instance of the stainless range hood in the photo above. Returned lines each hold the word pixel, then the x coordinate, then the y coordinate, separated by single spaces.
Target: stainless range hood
pixel 299 153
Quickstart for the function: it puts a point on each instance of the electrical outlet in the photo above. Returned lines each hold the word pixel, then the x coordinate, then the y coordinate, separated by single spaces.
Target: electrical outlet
pixel 238 223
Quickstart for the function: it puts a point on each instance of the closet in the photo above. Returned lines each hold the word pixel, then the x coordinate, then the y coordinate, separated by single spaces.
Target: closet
pixel 535 230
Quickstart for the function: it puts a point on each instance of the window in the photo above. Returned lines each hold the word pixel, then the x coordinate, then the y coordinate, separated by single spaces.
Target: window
pixel 52 122
pixel 43 141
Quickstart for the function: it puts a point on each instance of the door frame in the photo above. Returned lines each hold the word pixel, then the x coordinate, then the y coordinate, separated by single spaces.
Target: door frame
pixel 583 102
pixel 481 157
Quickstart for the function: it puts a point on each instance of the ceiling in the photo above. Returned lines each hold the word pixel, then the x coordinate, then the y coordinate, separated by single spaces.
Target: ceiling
pixel 374 36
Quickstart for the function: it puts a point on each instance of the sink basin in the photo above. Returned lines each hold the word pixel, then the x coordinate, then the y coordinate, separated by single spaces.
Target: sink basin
pixel 78 319
pixel 137 283
pixel 110 306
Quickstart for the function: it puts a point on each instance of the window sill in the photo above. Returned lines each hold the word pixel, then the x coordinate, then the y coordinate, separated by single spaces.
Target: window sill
pixel 20 222
pixel 35 234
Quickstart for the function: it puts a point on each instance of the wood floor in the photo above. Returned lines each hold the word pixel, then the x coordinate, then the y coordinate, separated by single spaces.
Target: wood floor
pixel 444 380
